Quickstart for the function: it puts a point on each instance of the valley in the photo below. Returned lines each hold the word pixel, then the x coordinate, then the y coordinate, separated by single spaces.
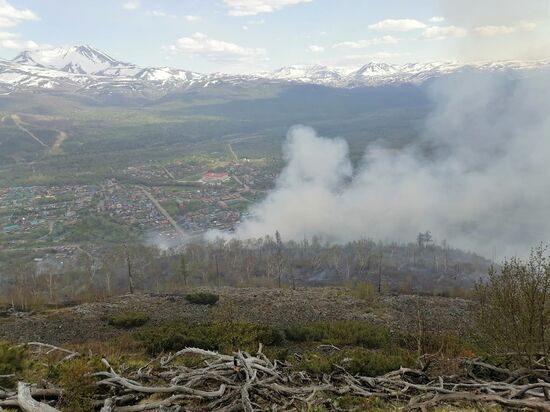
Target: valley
pixel 274 205
pixel 341 234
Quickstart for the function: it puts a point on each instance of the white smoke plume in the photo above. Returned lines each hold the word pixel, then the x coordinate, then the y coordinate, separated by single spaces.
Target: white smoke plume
pixel 504 17
pixel 478 178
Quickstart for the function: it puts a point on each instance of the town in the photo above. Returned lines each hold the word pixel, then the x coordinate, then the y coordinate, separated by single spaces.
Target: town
pixel 190 196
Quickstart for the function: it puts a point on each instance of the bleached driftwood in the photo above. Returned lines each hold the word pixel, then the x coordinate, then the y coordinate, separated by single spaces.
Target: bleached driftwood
pixel 249 382
pixel 50 349
pixel 27 403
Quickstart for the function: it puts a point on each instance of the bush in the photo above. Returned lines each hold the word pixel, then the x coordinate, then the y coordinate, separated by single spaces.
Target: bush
pixel 202 298
pixel 210 336
pixel 11 361
pixel 368 363
pixel 78 385
pixel 357 361
pixel 446 344
pixel 514 307
pixel 128 320
pixel 340 333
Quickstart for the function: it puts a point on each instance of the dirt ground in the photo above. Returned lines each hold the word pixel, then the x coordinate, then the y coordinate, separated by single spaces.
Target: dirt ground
pixel 258 305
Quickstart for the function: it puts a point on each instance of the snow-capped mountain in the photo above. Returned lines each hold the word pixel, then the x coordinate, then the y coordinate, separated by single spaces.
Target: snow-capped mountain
pixel 72 59
pixel 378 74
pixel 84 69
pixel 315 74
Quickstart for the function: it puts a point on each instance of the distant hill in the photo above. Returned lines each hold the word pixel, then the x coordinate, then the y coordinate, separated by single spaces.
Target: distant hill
pixel 86 70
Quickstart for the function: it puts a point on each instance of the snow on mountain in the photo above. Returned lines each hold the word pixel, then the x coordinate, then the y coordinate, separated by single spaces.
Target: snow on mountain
pixel 316 74
pixel 377 74
pixel 14 76
pixel 86 69
pixel 72 59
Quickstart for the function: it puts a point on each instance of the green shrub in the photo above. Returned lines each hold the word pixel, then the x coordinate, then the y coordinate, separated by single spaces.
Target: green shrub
pixel 340 333
pixel 217 336
pixel 128 320
pixel 11 361
pixel 369 363
pixel 77 384
pixel 202 298
pixel 514 307
pixel 357 361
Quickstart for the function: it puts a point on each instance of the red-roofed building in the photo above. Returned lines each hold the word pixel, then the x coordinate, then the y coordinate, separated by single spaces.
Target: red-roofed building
pixel 212 177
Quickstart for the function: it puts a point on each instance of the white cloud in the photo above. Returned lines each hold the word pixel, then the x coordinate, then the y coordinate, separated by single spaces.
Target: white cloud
pixel 13 41
pixel 361 44
pixel 446 32
pixel 316 49
pixel 131 5
pixel 159 13
pixel 5 35
pixel 437 19
pixel 190 18
pixel 10 16
pixel 377 56
pixel 500 30
pixel 253 7
pixel 397 25
pixel 200 44
pixel 256 22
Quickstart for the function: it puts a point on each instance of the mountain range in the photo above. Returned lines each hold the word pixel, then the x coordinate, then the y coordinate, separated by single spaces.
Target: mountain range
pixel 87 70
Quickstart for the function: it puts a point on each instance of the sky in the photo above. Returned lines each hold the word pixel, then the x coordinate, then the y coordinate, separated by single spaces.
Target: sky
pixel 257 35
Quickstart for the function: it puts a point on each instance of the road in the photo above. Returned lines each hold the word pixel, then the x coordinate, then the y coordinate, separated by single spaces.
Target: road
pixel 19 123
pixel 239 181
pixel 232 152
pixel 170 175
pixel 163 211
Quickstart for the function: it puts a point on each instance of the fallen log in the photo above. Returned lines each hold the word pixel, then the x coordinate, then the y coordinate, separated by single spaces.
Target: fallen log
pixel 27 403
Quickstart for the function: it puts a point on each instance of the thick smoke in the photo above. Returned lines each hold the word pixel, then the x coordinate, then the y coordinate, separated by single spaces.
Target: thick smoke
pixel 524 27
pixel 478 177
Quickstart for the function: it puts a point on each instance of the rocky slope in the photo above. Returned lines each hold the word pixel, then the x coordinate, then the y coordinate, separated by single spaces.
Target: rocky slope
pixel 275 307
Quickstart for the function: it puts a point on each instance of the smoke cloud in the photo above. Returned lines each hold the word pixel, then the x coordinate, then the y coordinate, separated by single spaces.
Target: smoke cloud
pixel 478 177
pixel 506 17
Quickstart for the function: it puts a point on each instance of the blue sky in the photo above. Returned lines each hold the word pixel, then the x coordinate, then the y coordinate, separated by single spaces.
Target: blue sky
pixel 256 35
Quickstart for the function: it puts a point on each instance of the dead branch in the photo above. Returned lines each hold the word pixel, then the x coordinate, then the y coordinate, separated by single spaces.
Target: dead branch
pixel 249 382
pixel 27 403
pixel 50 349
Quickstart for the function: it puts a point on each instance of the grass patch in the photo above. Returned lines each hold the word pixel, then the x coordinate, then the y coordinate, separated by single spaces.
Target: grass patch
pixel 363 291
pixel 216 336
pixel 128 320
pixel 340 333
pixel 202 298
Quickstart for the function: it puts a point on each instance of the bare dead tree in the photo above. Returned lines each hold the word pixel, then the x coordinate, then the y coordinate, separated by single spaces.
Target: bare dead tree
pixel 129 266
pixel 380 257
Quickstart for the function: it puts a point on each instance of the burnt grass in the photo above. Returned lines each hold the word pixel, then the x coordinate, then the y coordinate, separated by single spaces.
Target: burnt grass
pixel 280 308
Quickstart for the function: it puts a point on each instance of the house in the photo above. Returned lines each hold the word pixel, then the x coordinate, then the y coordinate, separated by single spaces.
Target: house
pixel 213 177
